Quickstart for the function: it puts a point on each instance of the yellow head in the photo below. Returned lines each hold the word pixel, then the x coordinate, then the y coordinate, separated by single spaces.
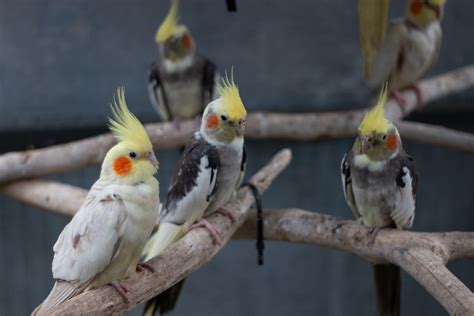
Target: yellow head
pixel 378 137
pixel 224 118
pixel 424 12
pixel 132 160
pixel 170 27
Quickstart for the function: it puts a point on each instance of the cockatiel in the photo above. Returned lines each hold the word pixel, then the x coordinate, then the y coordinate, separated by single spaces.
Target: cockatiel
pixel 379 182
pixel 182 82
pixel 410 49
pixel 210 169
pixel 103 242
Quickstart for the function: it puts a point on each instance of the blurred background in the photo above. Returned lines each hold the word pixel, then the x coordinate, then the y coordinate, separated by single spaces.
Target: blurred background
pixel 61 61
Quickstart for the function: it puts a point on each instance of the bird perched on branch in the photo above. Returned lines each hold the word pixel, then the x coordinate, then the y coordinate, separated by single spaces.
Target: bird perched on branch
pixel 209 171
pixel 182 82
pixel 410 48
pixel 103 242
pixel 379 181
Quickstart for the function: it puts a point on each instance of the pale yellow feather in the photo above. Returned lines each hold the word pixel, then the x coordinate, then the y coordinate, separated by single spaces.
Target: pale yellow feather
pixel 374 120
pixel 230 97
pixel 125 125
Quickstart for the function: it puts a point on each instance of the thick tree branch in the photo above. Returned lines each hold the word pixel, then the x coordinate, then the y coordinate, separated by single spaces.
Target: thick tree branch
pixel 91 151
pixel 182 258
pixel 422 255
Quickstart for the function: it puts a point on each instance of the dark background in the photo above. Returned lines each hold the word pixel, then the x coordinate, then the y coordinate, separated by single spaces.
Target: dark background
pixel 61 61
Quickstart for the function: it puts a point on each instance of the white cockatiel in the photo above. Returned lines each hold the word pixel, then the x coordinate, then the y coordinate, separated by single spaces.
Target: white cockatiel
pixel 103 242
pixel 410 49
pixel 210 169
pixel 181 82
pixel 380 182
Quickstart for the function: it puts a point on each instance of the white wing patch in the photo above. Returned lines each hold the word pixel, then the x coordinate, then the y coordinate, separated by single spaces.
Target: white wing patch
pixel 404 212
pixel 192 206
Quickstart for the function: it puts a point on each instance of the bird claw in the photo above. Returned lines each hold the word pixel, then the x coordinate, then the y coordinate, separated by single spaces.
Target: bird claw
pixel 141 266
pixel 226 212
pixel 400 99
pixel 122 289
pixel 419 95
pixel 212 231
pixel 372 234
pixel 177 122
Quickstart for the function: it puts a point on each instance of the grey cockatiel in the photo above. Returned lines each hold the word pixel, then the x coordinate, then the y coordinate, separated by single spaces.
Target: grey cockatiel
pixel 103 241
pixel 379 181
pixel 410 49
pixel 210 169
pixel 182 82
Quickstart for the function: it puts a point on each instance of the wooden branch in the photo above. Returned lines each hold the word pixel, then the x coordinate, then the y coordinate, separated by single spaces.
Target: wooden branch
pixel 301 127
pixel 422 255
pixel 51 196
pixel 436 135
pixel 180 259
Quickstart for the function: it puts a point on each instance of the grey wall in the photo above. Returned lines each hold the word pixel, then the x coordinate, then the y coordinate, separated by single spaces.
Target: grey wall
pixel 60 63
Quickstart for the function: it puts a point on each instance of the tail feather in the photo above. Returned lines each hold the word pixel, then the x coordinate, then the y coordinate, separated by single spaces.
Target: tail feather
pixel 62 291
pixel 167 234
pixel 165 302
pixel 387 288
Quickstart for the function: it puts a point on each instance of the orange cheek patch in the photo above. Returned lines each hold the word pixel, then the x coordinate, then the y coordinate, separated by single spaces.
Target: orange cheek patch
pixel 212 121
pixel 186 41
pixel 122 166
pixel 392 142
pixel 416 7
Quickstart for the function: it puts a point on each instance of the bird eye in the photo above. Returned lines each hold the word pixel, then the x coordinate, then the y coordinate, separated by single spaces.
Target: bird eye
pixel 132 154
pixel 223 117
pixel 384 137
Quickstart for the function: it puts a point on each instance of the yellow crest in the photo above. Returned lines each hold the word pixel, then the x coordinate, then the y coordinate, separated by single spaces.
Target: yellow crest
pixel 375 121
pixel 169 26
pixel 125 125
pixel 230 97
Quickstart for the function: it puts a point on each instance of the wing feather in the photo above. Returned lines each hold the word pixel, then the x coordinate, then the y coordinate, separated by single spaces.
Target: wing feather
pixel 389 56
pixel 347 183
pixel 157 95
pixel 90 241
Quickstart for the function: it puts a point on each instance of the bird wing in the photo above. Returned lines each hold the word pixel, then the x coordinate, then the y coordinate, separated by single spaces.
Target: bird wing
pixel 156 93
pixel 194 183
pixel 209 80
pixel 93 237
pixel 407 181
pixel 390 56
pixel 347 183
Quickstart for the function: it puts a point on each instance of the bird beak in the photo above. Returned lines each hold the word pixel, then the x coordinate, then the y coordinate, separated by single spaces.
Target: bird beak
pixel 365 144
pixel 152 158
pixel 239 127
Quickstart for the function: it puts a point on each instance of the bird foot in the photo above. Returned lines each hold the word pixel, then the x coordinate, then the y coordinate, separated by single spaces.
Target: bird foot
pixel 212 231
pixel 419 95
pixel 141 266
pixel 177 122
pixel 226 212
pixel 122 289
pixel 400 99
pixel 372 234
